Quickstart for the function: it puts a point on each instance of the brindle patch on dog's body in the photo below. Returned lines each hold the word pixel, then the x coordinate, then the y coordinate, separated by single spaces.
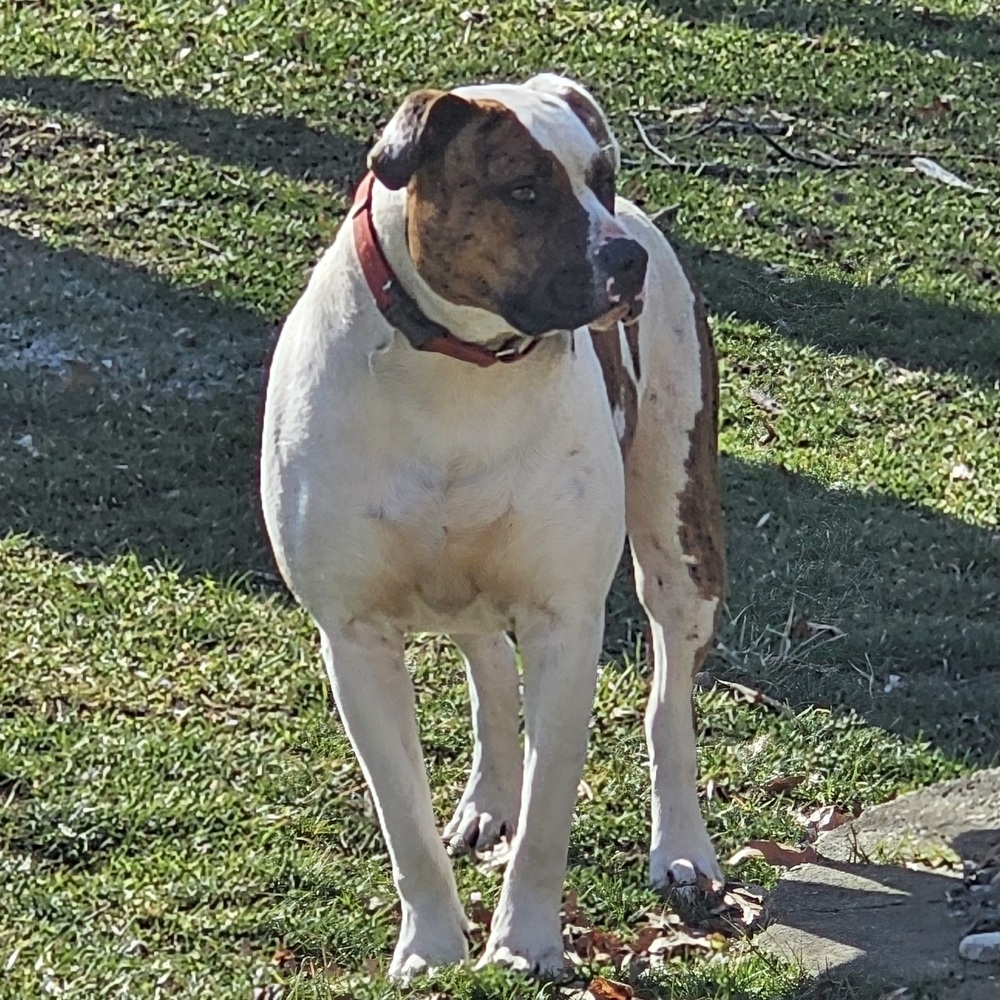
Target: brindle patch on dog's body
pixel 620 378
pixel 700 509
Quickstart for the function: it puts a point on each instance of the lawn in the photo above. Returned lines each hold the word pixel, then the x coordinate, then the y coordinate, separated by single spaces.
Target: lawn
pixel 180 815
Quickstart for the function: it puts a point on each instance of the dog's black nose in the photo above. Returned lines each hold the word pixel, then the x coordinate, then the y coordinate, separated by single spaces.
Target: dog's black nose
pixel 624 262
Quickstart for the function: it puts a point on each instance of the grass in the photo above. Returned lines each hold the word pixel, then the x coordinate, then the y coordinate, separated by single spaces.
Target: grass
pixel 180 816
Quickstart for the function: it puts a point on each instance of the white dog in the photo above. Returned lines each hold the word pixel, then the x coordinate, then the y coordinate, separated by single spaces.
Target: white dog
pixel 465 413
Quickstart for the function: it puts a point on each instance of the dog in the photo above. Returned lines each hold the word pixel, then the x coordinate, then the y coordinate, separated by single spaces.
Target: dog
pixel 496 370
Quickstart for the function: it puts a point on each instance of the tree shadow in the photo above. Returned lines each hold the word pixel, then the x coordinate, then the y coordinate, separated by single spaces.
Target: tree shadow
pixel 974 37
pixel 149 454
pixel 839 317
pixel 130 412
pixel 286 145
pixel 843 591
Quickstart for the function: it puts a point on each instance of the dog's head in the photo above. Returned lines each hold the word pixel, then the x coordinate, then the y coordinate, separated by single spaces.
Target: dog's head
pixel 511 202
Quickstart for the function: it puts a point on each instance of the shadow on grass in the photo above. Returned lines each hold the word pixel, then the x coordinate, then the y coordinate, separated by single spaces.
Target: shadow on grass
pixel 921 28
pixel 285 145
pixel 141 400
pixel 124 462
pixel 888 322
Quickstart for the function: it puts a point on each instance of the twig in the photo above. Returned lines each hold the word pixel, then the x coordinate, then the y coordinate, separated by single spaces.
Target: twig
pixel 650 145
pixel 797 157
pixel 692 133
pixel 819 159
pixel 710 169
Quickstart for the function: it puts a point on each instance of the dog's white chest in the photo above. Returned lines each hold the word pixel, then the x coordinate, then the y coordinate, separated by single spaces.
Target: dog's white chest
pixel 446 545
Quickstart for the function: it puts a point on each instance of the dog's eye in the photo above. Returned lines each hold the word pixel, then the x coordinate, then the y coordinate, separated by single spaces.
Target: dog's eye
pixel 523 194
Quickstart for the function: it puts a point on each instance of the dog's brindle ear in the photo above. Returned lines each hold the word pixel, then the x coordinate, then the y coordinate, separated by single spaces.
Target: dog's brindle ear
pixel 425 122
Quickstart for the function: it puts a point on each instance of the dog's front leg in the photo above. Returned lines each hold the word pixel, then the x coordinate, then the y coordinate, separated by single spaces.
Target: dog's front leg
pixel 488 808
pixel 560 670
pixel 375 698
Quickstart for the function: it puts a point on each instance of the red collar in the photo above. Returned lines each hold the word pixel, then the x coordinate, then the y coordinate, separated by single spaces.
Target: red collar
pixel 400 309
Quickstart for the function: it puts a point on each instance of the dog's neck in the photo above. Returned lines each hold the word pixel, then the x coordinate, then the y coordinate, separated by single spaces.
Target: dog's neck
pixel 465 322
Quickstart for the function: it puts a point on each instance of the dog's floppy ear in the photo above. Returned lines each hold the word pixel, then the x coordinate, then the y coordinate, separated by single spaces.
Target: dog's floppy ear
pixel 425 122
pixel 583 105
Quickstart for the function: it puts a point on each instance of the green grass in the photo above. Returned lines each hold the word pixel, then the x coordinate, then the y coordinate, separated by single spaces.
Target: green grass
pixel 179 815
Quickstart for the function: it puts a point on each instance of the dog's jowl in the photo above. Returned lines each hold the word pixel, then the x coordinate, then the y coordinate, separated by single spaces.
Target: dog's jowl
pixel 496 370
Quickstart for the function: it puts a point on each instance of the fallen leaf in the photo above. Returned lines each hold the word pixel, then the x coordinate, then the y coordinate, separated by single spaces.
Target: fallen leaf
pixel 479 913
pixel 783 783
pixel 571 912
pixel 679 943
pixel 607 989
pixel 282 955
pixel 597 945
pixel 934 170
pixel 826 818
pixel 748 902
pixel 754 697
pixel 776 854
pixel 765 402
pixel 645 937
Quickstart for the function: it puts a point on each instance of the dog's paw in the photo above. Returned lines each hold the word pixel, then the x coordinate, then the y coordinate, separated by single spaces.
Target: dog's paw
pixel 526 937
pixel 528 958
pixel 427 944
pixel 483 819
pixel 684 861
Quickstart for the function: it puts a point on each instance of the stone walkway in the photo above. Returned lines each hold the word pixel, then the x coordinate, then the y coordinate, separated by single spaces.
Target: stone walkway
pixel 865 913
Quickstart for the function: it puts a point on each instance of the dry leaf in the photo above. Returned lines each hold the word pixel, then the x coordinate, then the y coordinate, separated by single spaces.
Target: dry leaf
pixel 743 905
pixel 645 937
pixel 597 945
pixel 479 913
pixel 754 697
pixel 679 943
pixel 765 402
pixel 934 170
pixel 571 912
pixel 826 818
pixel 607 989
pixel 776 854
pixel 783 783
pixel 282 957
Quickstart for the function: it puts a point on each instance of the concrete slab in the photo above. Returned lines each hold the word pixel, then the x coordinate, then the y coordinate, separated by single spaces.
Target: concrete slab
pixel 891 923
pixel 961 816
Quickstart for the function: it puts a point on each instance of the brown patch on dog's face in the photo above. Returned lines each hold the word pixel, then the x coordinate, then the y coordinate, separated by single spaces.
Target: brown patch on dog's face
pixel 623 393
pixel 602 172
pixel 701 534
pixel 494 222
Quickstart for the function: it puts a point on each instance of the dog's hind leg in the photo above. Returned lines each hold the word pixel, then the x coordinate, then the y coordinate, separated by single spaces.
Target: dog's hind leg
pixel 488 809
pixel 674 522
pixel 375 697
